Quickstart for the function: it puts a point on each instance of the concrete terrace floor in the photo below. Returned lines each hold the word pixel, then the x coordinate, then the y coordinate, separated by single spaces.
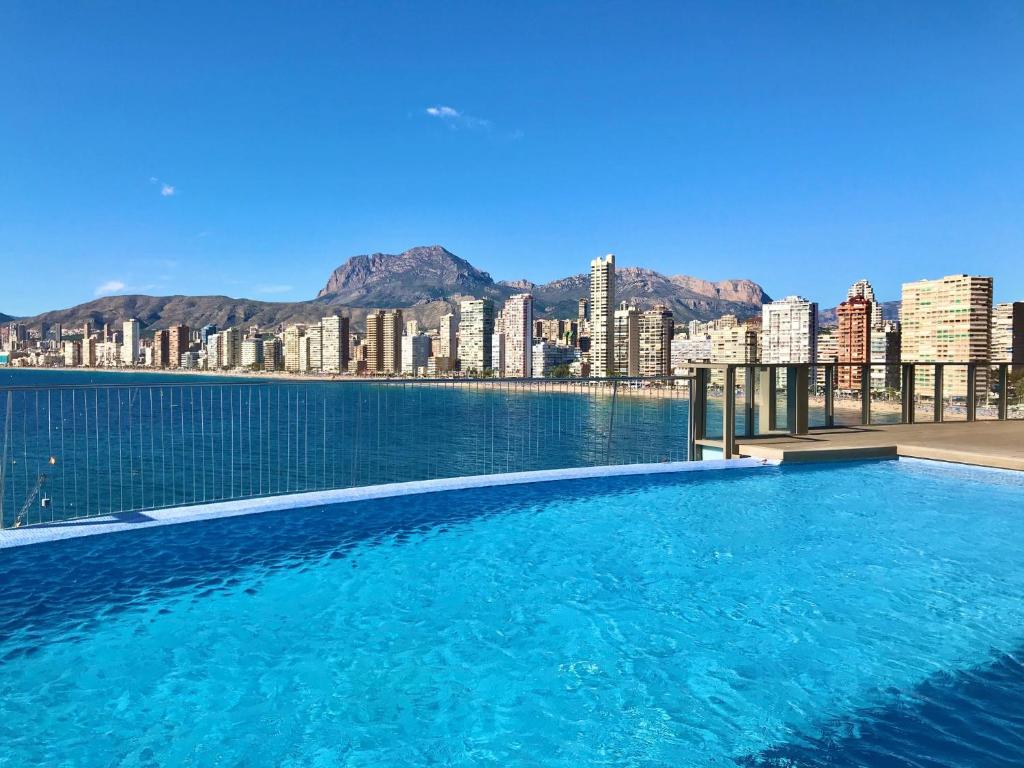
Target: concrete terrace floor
pixel 998 444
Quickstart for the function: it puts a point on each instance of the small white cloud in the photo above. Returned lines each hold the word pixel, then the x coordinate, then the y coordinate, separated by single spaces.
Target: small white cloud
pixel 455 119
pixel 266 289
pixel 166 190
pixel 441 111
pixel 109 287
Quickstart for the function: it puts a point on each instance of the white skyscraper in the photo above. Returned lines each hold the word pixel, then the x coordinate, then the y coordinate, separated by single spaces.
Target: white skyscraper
pixel 130 347
pixel 415 351
pixel 446 337
pixel 602 316
pixel 790 331
pixel 334 343
pixel 518 332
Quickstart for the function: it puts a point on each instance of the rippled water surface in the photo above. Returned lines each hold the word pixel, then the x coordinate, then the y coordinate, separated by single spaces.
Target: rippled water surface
pixel 865 614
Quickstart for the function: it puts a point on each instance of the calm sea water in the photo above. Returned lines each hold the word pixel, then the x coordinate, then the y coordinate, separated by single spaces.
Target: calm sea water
pixel 107 442
pixel 862 615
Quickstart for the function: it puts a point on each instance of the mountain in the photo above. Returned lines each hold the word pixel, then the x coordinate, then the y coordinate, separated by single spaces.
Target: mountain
pixel 433 273
pixel 426 282
pixel 6 318
pixel 689 298
pixel 890 311
pixel 418 275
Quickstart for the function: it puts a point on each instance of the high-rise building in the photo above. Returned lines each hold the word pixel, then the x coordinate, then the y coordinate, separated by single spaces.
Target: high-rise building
pixel 789 330
pixel 88 352
pixel 231 347
pixel 602 316
pixel 374 342
pixel 130 347
pixel 518 336
pixel 446 337
pixel 583 310
pixel 885 357
pixel 862 289
pixel 177 344
pixel 475 330
pixel 1008 334
pixel 392 349
pixel 734 344
pixel 293 340
pixel 206 332
pixel 853 338
pixel 272 357
pixel 627 340
pixel 161 349
pixel 214 352
pixel 947 320
pixel 335 343
pixel 315 348
pixel 498 361
pixel 72 353
pixel 826 351
pixel 252 354
pixel 656 331
pixel 415 352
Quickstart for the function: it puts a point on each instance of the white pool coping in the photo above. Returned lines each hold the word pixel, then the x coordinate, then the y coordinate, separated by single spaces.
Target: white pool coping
pixel 132 521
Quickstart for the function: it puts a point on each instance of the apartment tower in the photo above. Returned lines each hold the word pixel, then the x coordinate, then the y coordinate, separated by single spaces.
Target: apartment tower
pixel 177 344
pixel 475 331
pixel 518 332
pixel 789 330
pixel 947 320
pixel 862 289
pixel 656 330
pixel 854 340
pixel 334 343
pixel 130 344
pixel 627 340
pixel 1008 334
pixel 602 315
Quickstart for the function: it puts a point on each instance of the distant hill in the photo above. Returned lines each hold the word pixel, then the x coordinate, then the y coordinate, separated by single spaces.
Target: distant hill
pixel 890 311
pixel 223 311
pixel 426 282
pixel 6 318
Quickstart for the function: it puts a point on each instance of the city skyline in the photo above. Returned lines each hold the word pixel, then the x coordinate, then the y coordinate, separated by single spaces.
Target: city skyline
pixel 717 141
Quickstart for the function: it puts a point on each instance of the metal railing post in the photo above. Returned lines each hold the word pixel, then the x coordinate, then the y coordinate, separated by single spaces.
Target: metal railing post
pixel 1004 394
pixel 907 392
pixel 830 394
pixel 729 413
pixel 865 394
pixel 698 411
pixel 796 398
pixel 972 393
pixel 748 401
pixel 938 410
pixel 766 414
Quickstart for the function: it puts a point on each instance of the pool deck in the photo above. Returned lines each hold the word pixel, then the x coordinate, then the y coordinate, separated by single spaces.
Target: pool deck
pixel 997 444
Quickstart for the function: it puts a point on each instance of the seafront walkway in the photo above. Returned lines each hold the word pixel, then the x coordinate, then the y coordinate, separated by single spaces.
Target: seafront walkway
pixel 997 444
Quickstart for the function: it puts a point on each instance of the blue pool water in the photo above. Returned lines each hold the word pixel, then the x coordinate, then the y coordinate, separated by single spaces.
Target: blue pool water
pixel 865 614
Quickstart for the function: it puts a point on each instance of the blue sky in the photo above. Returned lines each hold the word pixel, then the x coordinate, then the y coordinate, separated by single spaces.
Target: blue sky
pixel 249 148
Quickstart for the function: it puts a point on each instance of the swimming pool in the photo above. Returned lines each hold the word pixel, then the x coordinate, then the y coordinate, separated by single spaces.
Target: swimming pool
pixel 817 615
